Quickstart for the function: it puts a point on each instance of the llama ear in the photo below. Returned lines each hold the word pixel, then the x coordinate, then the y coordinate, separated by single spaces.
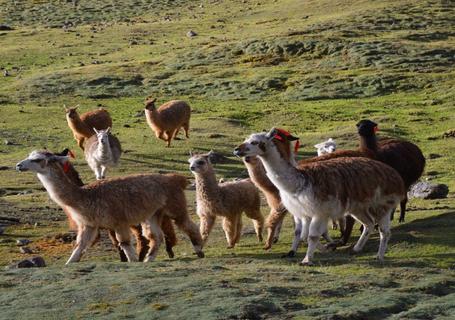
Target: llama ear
pixel 191 153
pixel 75 107
pixel 96 131
pixel 108 129
pixel 273 132
pixel 330 140
pixel 317 146
pixel 66 109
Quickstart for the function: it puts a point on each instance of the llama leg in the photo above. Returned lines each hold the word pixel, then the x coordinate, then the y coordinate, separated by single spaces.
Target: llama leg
pixel 207 222
pixel 334 224
pixel 103 172
pixel 258 222
pixel 368 226
pixel 190 228
pixel 169 135
pixel 403 209
pixel 350 221
pixel 273 224
pixel 238 229
pixel 230 230
pixel 141 242
pixel 80 143
pixel 124 237
pixel 186 128
pixel 170 239
pixel 317 228
pixel 384 235
pixel 115 243
pixel 152 231
pixel 298 229
pixel 98 173
pixel 85 236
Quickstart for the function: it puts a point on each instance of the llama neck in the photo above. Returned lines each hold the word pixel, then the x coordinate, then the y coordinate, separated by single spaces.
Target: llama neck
pixel 152 116
pixel 207 186
pixel 103 151
pixel 78 125
pixel 368 143
pixel 60 189
pixel 281 172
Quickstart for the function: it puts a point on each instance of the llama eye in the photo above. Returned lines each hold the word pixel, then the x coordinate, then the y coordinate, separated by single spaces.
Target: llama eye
pixel 35 160
pixel 254 143
pixel 200 163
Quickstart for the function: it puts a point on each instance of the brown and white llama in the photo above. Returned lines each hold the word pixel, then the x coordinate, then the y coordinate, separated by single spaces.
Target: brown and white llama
pixel 142 247
pixel 367 189
pixel 167 120
pixel 102 151
pixel 115 204
pixel 228 200
pixel 82 126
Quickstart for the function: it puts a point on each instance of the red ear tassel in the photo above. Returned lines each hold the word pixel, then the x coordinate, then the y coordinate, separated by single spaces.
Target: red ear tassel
pixel 297 146
pixel 66 167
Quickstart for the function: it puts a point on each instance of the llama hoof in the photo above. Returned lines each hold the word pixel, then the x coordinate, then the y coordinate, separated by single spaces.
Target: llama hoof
pixel 200 254
pixel 260 239
pixel 353 252
pixel 401 220
pixel 170 253
pixel 306 263
pixel 275 240
pixel 230 247
pixel 267 247
pixel 290 254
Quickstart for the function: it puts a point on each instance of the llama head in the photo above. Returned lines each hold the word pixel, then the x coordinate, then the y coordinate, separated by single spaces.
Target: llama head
pixel 71 113
pixel 150 103
pixel 259 144
pixel 42 162
pixel 102 135
pixel 199 163
pixel 367 128
pixel 325 147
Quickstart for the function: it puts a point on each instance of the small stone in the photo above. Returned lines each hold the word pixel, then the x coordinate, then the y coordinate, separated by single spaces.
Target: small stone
pixel 8 143
pixel 2 230
pixel 22 242
pixel 25 250
pixel 2 168
pixel 38 262
pixel 434 156
pixel 133 43
pixel 126 126
pixel 4 27
pixel 191 34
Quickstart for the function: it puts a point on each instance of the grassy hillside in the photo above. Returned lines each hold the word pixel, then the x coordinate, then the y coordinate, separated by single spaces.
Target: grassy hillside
pixel 314 67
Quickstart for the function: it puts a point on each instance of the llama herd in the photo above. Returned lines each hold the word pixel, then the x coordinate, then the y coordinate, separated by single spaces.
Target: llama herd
pixel 338 186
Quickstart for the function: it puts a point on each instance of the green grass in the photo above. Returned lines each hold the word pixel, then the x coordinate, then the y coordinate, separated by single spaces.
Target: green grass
pixel 314 68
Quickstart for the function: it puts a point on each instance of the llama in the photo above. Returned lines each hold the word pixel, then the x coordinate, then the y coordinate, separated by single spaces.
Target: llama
pixel 82 126
pixel 405 157
pixel 326 147
pixel 115 204
pixel 227 200
pixel 367 189
pixel 141 242
pixel 167 120
pixel 102 151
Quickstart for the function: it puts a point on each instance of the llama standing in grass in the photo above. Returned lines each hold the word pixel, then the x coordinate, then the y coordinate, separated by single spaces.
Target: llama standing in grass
pixel 227 200
pixel 82 126
pixel 367 189
pixel 115 204
pixel 167 120
pixel 102 151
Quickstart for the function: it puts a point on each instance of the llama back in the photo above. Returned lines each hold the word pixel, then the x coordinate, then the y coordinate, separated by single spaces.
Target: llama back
pixel 116 148
pixel 176 180
pixel 175 112
pixel 244 192
pixel 353 179
pixel 98 119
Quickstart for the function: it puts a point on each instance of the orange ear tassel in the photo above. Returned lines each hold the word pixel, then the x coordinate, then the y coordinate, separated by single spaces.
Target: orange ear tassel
pixel 71 154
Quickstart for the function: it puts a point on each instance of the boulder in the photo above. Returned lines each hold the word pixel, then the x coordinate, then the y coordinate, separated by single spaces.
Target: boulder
pixel 426 190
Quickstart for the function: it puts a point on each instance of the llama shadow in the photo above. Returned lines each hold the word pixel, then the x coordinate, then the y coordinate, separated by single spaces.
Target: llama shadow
pixel 435 230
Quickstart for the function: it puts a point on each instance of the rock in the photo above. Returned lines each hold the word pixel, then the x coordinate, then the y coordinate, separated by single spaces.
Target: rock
pixel 191 34
pixel 65 237
pixel 8 143
pixel 24 264
pixel 2 168
pixel 25 250
pixel 426 190
pixel 126 126
pixel 2 230
pixel 4 27
pixel 22 242
pixel 38 262
pixel 449 134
